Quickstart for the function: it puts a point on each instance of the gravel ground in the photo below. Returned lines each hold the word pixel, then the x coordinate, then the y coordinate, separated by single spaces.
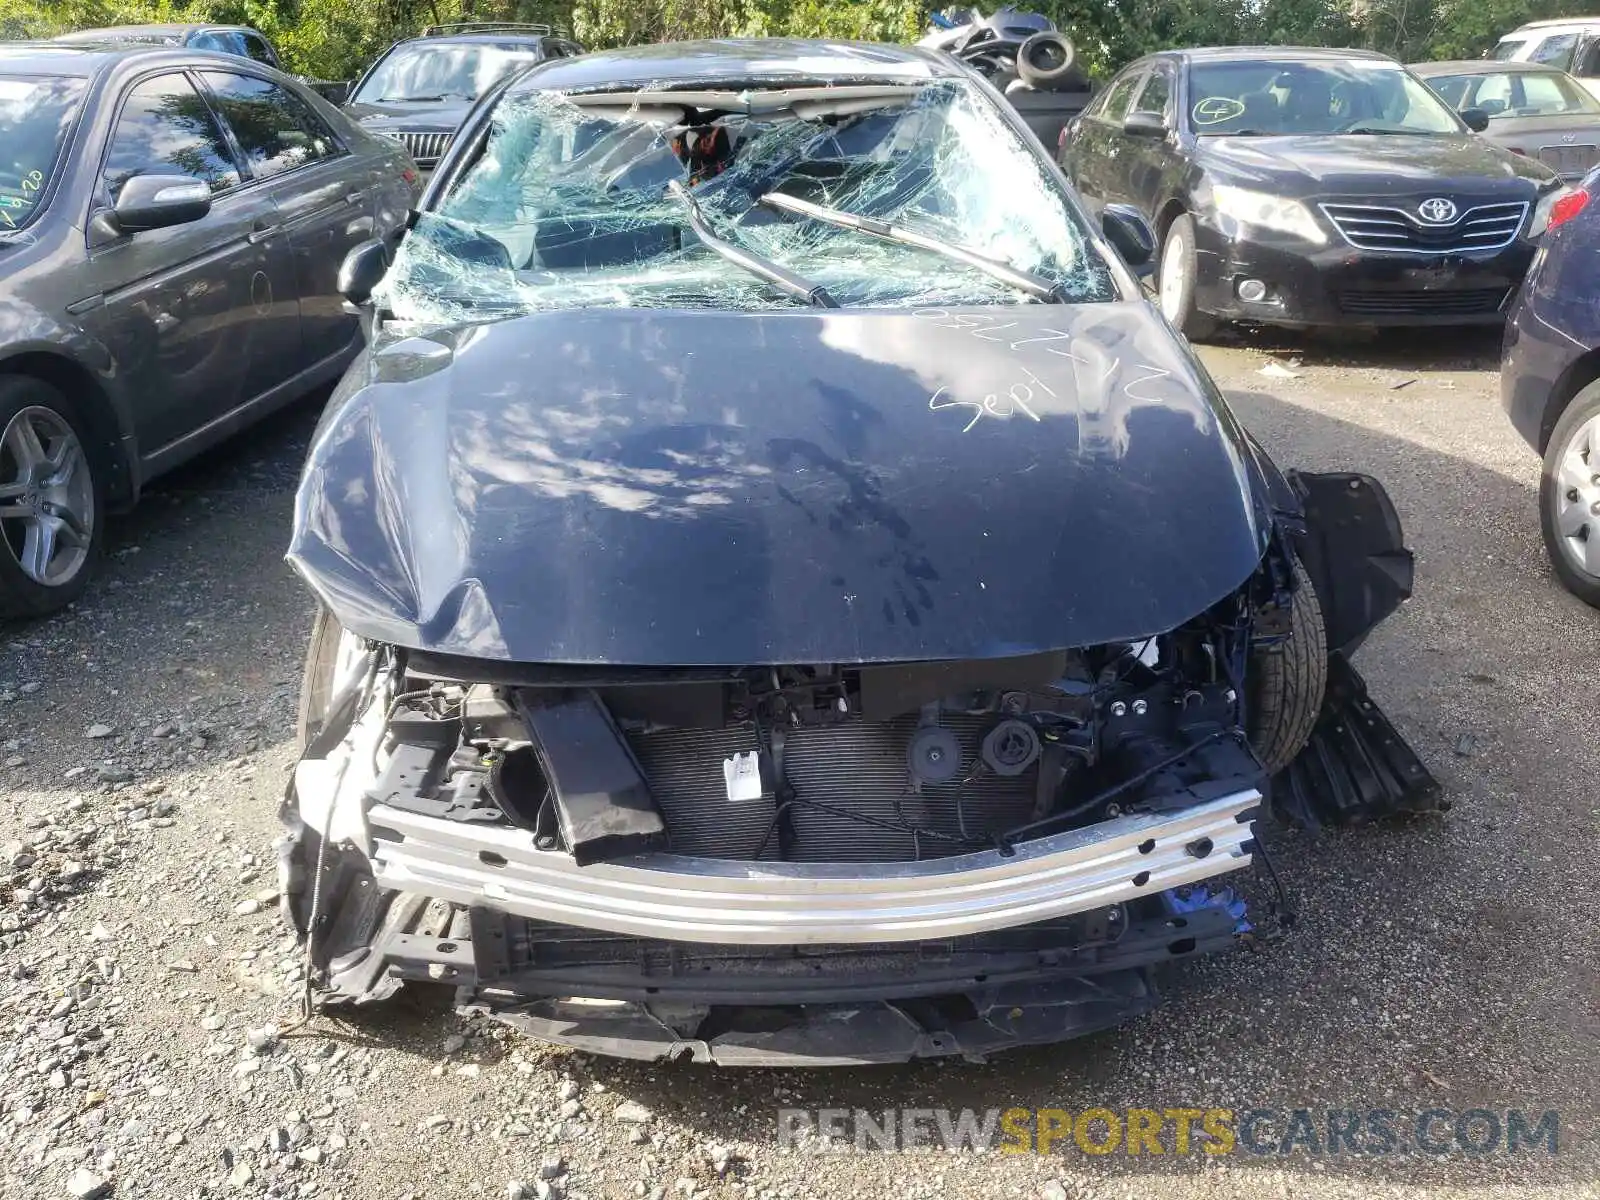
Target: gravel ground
pixel 147 988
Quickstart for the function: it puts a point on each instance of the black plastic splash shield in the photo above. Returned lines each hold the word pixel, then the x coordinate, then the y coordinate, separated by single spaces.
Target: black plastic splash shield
pixel 967 1005
pixel 1356 767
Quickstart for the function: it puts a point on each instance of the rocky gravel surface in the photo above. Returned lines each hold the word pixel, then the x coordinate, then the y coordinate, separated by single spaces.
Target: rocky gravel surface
pixel 149 1035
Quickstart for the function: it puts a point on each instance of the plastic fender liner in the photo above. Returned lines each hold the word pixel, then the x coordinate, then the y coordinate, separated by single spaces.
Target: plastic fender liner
pixel 1356 767
pixel 1355 553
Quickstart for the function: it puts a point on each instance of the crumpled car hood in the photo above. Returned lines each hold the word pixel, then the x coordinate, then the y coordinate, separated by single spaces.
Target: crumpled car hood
pixel 664 487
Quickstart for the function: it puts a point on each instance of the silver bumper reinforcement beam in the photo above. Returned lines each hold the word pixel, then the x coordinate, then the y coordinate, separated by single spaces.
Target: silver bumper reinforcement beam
pixel 688 899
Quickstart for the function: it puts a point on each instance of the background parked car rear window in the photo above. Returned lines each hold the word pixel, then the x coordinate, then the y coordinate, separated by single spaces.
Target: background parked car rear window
pixel 1555 50
pixel 276 130
pixel 1516 94
pixel 165 128
pixel 35 115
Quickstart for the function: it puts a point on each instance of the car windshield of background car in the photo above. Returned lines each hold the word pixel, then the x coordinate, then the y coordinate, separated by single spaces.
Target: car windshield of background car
pixel 36 113
pixel 1266 98
pixel 420 72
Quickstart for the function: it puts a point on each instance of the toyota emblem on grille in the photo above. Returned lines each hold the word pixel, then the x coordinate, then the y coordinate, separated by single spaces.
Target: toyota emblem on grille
pixel 1437 211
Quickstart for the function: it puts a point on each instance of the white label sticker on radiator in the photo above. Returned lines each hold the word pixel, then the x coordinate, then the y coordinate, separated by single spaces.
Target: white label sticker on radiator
pixel 742 774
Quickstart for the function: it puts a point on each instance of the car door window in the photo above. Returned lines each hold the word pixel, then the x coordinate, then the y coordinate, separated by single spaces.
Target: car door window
pixel 276 130
pixel 1156 94
pixel 1118 97
pixel 166 128
pixel 1556 49
pixel 256 47
pixel 1586 62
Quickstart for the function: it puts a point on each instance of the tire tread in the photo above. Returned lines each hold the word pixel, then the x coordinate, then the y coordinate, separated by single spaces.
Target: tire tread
pixel 1289 681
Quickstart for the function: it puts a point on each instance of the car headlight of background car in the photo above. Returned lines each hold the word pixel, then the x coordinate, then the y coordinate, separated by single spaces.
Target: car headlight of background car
pixel 1238 206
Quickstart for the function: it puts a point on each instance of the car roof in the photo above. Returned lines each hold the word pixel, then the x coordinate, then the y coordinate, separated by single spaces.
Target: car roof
pixel 1554 23
pixel 112 33
pixel 492 39
pixel 69 58
pixel 1270 53
pixel 1484 66
pixel 731 60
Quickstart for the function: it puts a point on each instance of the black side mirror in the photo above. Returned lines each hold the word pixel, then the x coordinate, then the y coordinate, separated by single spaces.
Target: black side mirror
pixel 1476 119
pixel 1144 124
pixel 147 202
pixel 362 270
pixel 1130 235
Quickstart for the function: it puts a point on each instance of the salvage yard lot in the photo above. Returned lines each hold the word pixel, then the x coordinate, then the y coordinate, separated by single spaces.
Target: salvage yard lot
pixel 1450 963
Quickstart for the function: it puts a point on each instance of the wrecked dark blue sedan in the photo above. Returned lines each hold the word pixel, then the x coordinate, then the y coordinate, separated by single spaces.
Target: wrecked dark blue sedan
pixel 786 597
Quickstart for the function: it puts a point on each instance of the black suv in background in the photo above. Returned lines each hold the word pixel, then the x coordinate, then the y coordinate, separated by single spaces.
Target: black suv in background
pixel 420 90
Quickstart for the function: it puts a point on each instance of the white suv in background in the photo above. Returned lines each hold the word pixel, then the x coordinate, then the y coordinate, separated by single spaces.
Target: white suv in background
pixel 1571 43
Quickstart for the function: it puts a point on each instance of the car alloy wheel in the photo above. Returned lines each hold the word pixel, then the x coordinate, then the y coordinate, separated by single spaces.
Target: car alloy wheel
pixel 1172 284
pixel 1575 499
pixel 47 500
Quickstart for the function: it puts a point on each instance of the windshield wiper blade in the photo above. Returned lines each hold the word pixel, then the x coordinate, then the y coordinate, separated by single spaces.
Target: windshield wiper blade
pixel 1026 281
pixel 779 277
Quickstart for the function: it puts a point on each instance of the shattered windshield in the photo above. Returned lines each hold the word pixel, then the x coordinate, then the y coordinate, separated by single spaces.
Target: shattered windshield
pixel 572 203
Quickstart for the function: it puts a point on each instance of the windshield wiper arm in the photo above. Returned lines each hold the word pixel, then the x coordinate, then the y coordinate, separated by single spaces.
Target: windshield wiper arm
pixel 779 277
pixel 1034 285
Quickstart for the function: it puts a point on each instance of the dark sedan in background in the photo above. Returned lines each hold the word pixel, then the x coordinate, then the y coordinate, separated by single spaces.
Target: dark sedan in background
pixel 1550 384
pixel 420 90
pixel 171 226
pixel 1533 109
pixel 239 40
pixel 1310 187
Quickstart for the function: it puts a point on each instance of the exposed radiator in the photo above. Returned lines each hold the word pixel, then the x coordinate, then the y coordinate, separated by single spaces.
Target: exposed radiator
pixel 858 766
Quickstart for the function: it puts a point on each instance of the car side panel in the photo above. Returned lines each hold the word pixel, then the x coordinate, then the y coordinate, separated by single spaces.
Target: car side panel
pixel 326 212
pixel 178 308
pixel 1553 330
pixel 1150 163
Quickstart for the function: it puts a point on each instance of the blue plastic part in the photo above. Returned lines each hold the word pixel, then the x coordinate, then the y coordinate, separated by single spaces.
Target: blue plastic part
pixel 1198 896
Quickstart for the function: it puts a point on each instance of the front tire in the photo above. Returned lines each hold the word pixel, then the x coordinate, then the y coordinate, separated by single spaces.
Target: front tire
pixel 1176 274
pixel 1569 496
pixel 316 683
pixel 52 500
pixel 1287 682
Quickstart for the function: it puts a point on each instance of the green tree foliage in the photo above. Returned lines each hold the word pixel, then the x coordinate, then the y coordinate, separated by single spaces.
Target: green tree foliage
pixel 335 39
